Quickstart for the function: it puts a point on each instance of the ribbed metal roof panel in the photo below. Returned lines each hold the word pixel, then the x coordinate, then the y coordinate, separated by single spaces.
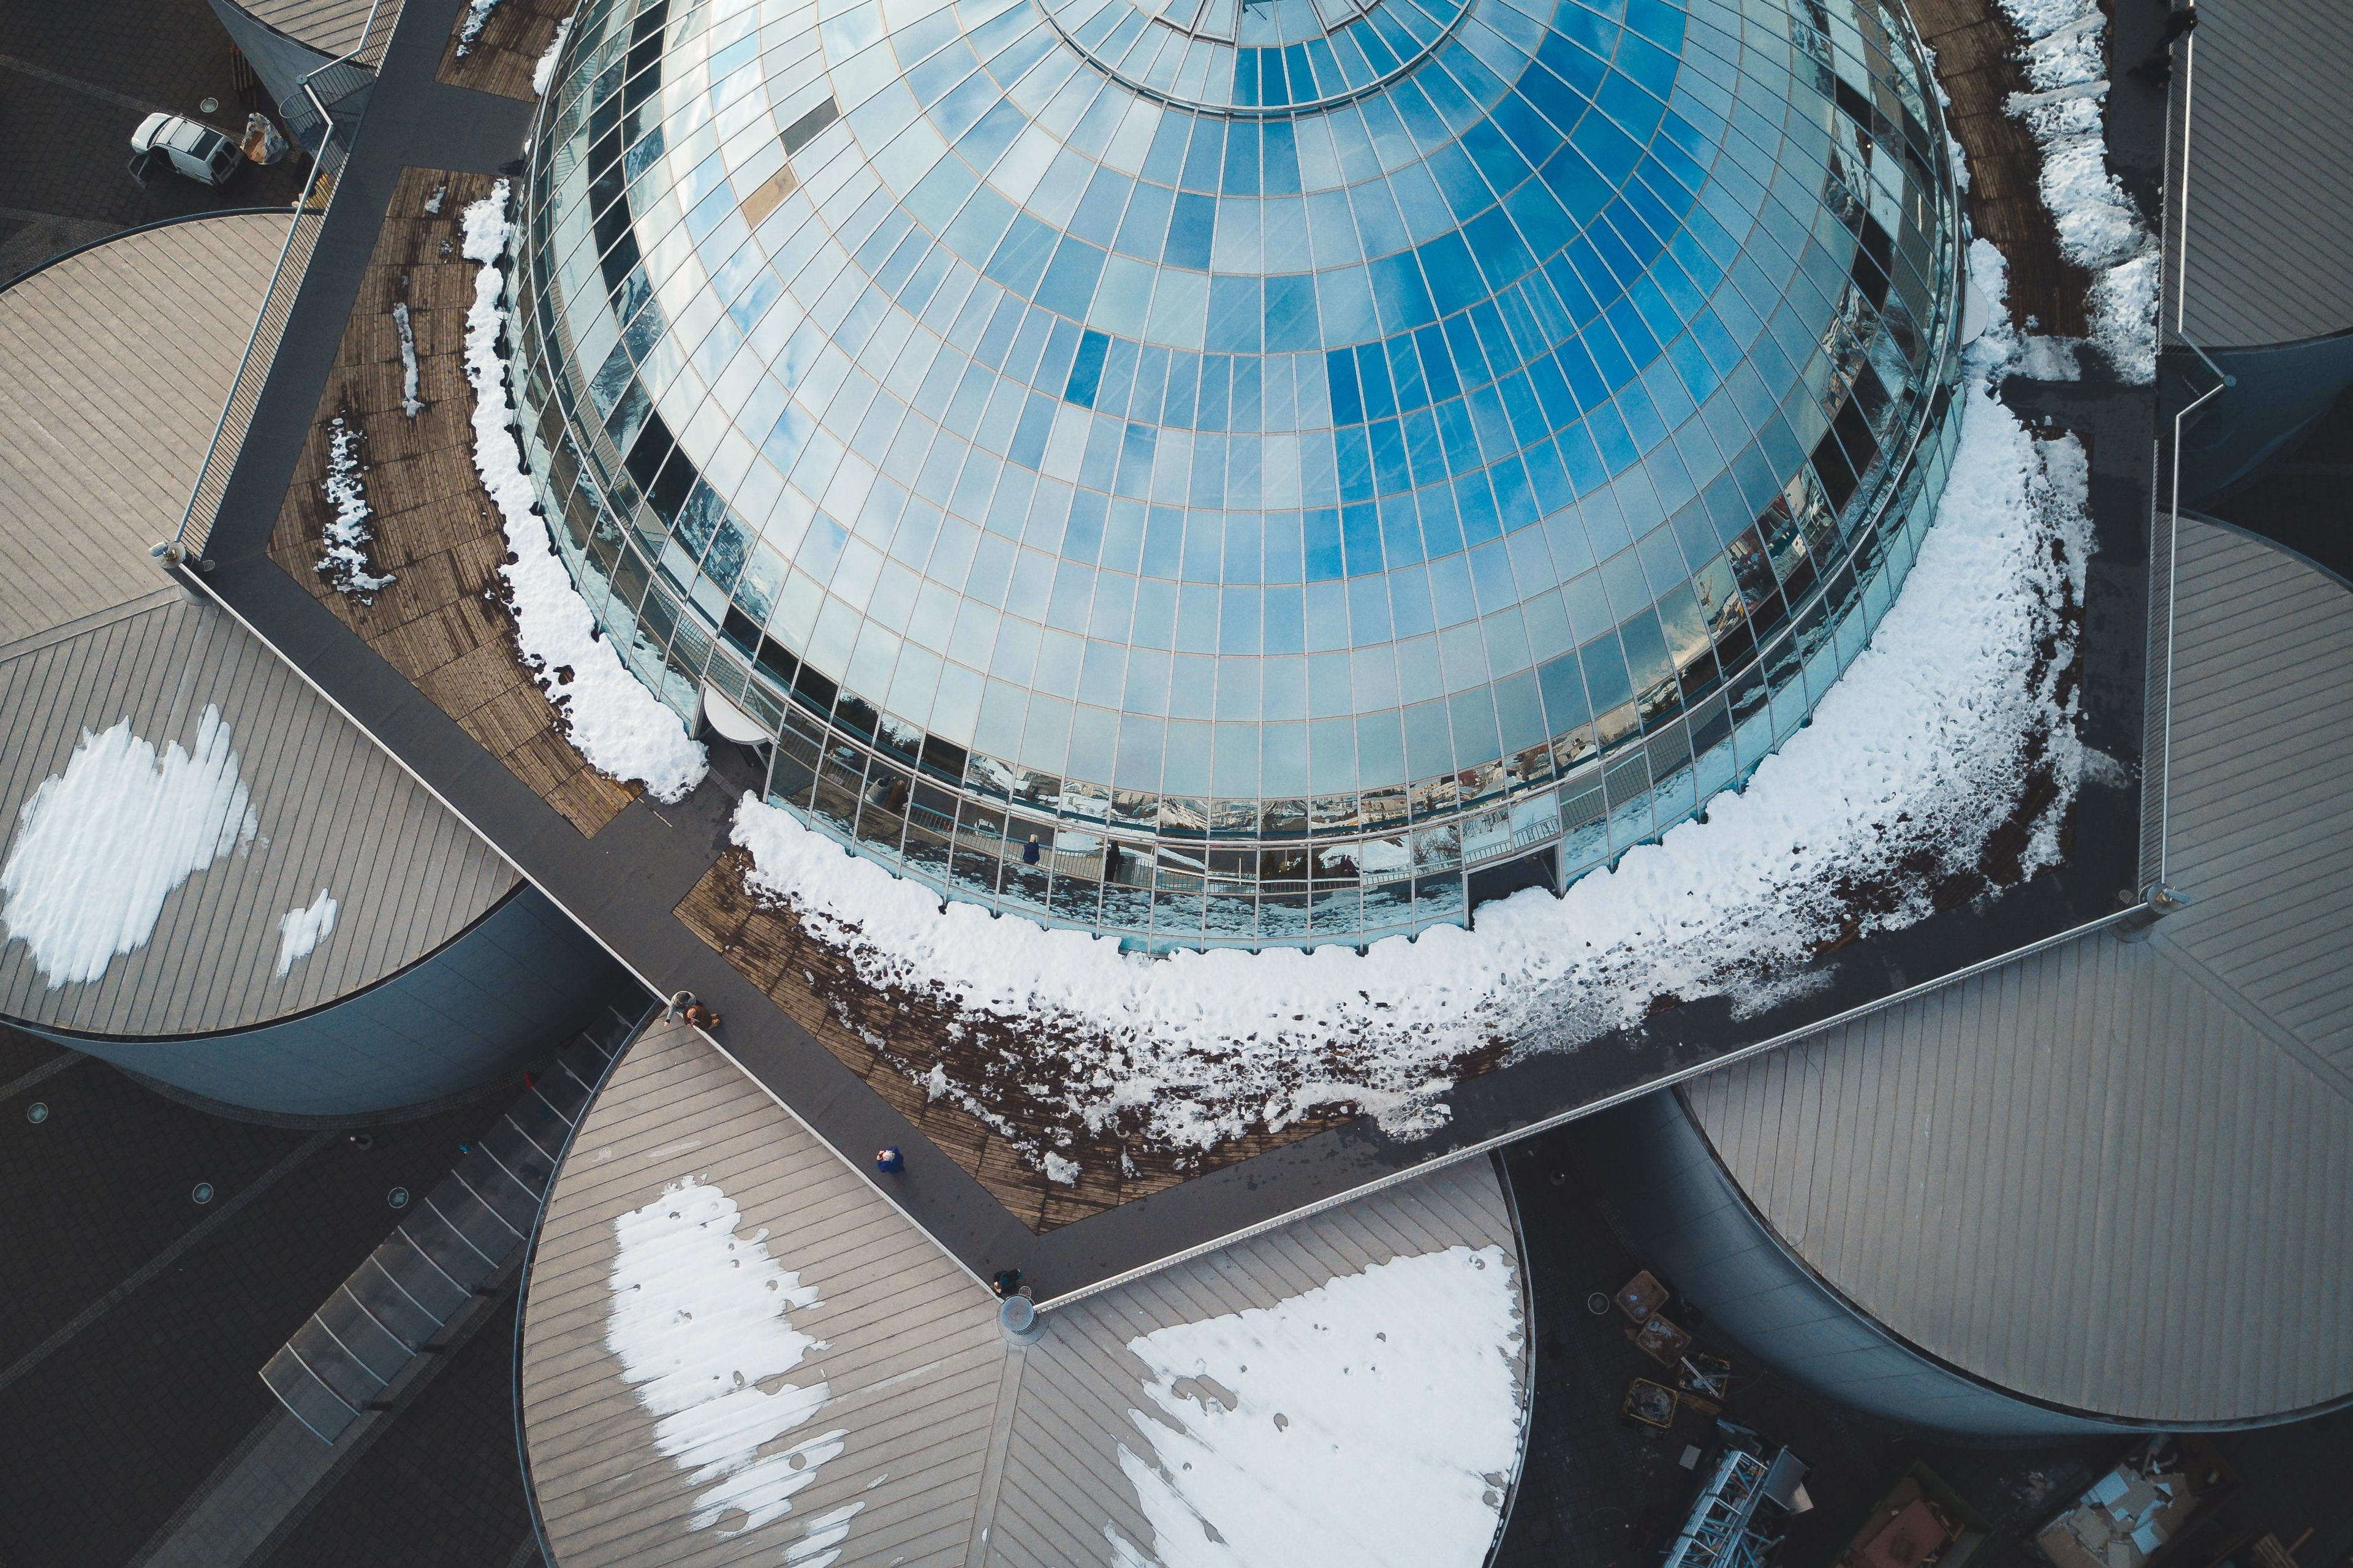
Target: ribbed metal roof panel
pixel 958 1451
pixel 113 373
pixel 2114 1176
pixel 2264 211
pixel 333 27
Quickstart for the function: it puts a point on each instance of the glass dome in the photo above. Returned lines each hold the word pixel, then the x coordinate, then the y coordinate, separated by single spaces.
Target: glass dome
pixel 1249 473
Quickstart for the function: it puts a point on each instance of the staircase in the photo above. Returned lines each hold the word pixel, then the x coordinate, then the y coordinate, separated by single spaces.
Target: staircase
pixel 450 1249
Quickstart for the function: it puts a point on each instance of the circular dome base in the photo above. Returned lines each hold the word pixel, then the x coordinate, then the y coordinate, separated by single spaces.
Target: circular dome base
pixel 1152 500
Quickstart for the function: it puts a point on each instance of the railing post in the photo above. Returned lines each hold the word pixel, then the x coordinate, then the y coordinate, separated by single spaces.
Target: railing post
pixel 2158 900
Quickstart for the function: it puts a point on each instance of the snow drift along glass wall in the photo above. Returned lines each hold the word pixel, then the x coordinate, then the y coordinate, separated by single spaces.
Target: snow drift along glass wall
pixel 1252 475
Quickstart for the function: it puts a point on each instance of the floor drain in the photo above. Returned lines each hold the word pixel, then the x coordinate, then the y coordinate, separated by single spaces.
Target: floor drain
pixel 1597 1304
pixel 208 106
pixel 37 1112
pixel 397 1197
pixel 203 1193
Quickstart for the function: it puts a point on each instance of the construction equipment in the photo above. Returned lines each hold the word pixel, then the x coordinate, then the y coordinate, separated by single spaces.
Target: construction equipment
pixel 1728 1521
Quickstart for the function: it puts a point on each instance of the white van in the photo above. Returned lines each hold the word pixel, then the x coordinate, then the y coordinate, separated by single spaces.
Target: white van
pixel 199 152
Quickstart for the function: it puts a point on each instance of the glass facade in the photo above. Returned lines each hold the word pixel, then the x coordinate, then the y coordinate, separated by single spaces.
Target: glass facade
pixel 1228 474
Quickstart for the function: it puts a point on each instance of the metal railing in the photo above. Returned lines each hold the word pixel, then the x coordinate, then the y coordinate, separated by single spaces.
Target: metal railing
pixel 2164 544
pixel 319 91
pixel 2156 741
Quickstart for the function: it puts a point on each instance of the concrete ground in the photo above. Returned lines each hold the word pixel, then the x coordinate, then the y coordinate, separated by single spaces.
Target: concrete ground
pixel 75 80
pixel 134 1321
pixel 1599 1492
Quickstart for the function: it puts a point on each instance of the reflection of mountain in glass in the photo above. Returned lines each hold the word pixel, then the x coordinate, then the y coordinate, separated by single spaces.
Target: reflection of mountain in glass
pixel 1286 460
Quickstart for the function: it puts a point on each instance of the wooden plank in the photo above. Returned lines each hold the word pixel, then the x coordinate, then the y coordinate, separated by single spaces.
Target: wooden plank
pixel 506 54
pixel 436 532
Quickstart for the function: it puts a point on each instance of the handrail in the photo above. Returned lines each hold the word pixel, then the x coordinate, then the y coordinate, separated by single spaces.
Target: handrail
pixel 2163 774
pixel 2160 777
pixel 2181 242
pixel 204 496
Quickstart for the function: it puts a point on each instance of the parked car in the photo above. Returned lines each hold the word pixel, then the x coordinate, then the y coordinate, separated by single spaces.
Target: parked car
pixel 197 151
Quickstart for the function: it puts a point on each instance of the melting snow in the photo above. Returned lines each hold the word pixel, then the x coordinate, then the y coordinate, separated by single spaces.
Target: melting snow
pixel 300 932
pixel 433 203
pixel 618 725
pixel 544 73
pixel 477 16
pixel 698 1320
pixel 821 1543
pixel 410 403
pixel 1375 1419
pixel 1916 756
pixel 99 847
pixel 2098 227
pixel 348 536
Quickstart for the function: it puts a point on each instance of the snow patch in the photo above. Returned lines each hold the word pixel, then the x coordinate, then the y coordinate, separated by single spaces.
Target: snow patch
pixel 821 1543
pixel 300 932
pixel 347 537
pixel 2048 359
pixel 698 1322
pixel 2099 229
pixel 544 73
pixel 1060 1170
pixel 1375 1419
pixel 618 725
pixel 410 403
pixel 101 845
pixel 433 203
pixel 1902 788
pixel 470 30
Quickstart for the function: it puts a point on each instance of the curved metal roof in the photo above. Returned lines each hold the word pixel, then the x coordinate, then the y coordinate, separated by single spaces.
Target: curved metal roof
pixel 333 27
pixel 1201 421
pixel 952 1447
pixel 2113 1177
pixel 113 373
pixel 111 377
pixel 2257 207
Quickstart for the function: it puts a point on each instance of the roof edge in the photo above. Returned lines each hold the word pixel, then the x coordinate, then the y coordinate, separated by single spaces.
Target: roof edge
pixel 2059 1407
pixel 63 1034
pixel 88 244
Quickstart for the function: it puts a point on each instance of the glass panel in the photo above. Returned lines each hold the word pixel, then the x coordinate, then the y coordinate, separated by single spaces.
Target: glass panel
pixel 1270 460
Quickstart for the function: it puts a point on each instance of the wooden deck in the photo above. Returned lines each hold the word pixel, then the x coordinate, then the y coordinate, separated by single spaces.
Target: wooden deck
pixel 440 623
pixel 506 54
pixel 1977 62
pixel 959 1448
pixel 891 1038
